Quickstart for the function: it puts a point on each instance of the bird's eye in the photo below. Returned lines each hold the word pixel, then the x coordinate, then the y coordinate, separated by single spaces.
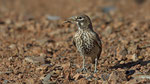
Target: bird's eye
pixel 79 17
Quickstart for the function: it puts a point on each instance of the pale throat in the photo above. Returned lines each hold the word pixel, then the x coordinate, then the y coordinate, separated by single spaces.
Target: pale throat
pixel 80 24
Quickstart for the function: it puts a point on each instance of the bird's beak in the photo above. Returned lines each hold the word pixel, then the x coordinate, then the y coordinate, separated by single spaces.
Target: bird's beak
pixel 71 19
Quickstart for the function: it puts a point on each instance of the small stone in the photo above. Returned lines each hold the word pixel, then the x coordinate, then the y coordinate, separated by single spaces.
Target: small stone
pixel 107 31
pixel 10 58
pixel 41 41
pixel 118 24
pixel 122 62
pixel 30 81
pixel 42 67
pixel 47 77
pixel 139 75
pixel 57 72
pixel 12 46
pixel 129 57
pixel 140 57
pixel 66 82
pixel 113 78
pixel 121 53
pixel 5 82
pixel 7 72
pixel 20 76
pixel 105 82
pixel 105 76
pixel 36 50
pixel 108 9
pixel 42 54
pixel 77 76
pixel 117 77
pixel 148 64
pixel 82 81
pixel 131 82
pixel 46 80
pixel 134 57
pixel 66 66
pixel 19 24
pixel 8 21
pixel 42 77
pixel 49 17
pixel 35 60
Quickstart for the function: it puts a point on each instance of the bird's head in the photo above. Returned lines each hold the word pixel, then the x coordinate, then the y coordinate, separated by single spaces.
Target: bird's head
pixel 82 21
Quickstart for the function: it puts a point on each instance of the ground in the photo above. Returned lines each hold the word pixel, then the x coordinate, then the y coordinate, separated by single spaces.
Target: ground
pixel 36 47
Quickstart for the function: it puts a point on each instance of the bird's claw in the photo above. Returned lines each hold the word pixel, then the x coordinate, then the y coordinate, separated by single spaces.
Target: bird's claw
pixel 95 71
pixel 82 70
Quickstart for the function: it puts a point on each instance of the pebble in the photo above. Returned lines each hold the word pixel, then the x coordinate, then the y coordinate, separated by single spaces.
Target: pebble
pixel 46 79
pixel 114 77
pixel 140 57
pixel 134 57
pixel 121 53
pixel 30 81
pixel 42 67
pixel 5 82
pixel 105 76
pixel 107 31
pixel 35 60
pixel 49 17
pixel 122 62
pixel 107 9
pixel 148 64
pixel 7 72
pixel 41 41
pixel 12 46
pixel 82 81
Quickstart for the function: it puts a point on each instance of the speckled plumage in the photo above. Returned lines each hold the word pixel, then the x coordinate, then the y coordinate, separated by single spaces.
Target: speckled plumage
pixel 88 43
pixel 86 40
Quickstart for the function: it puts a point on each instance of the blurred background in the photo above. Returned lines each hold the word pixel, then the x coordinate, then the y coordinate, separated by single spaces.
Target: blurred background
pixel 70 7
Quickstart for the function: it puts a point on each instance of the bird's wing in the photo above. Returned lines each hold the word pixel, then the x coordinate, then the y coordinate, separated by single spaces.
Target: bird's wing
pixel 74 42
pixel 99 43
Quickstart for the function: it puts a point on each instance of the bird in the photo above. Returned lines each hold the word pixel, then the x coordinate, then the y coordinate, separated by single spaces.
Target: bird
pixel 86 40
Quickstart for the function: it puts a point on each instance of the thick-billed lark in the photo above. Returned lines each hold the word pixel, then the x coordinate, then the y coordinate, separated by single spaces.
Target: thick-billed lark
pixel 86 40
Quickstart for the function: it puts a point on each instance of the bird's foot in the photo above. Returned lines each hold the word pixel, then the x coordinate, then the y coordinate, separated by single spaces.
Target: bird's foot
pixel 95 71
pixel 84 70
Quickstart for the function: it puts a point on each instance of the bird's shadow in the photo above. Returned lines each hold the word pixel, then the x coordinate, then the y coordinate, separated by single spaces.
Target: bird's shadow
pixel 130 64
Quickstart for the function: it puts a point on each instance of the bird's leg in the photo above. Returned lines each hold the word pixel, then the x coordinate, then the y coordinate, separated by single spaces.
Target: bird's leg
pixel 95 70
pixel 83 66
pixel 83 69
